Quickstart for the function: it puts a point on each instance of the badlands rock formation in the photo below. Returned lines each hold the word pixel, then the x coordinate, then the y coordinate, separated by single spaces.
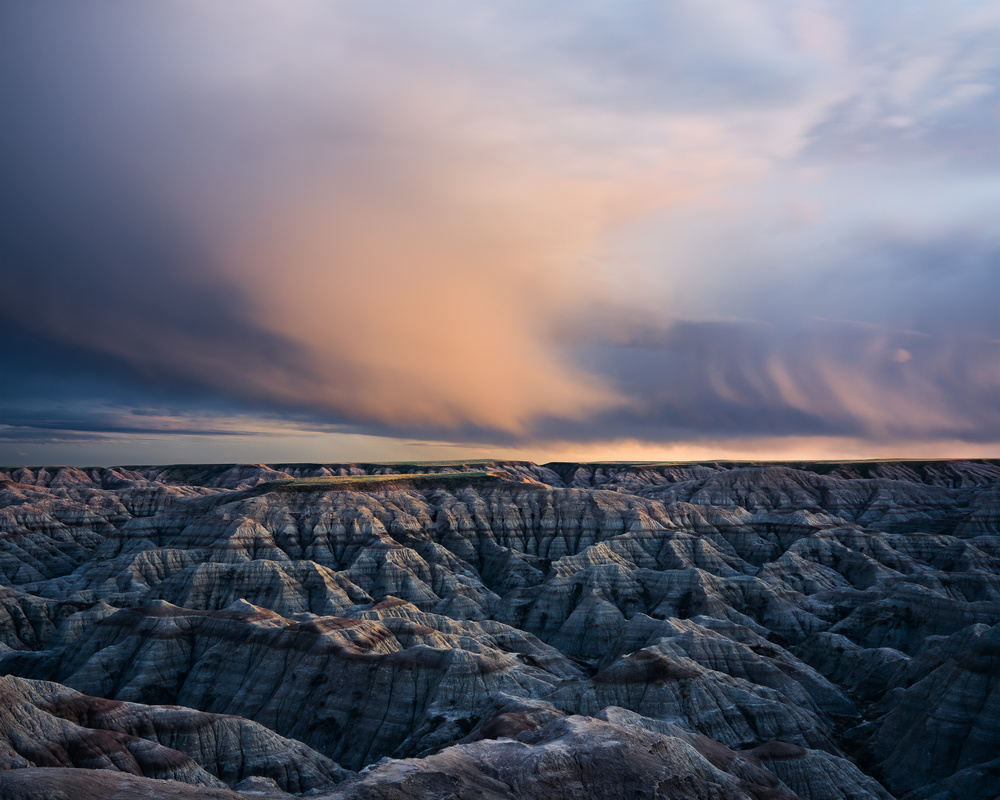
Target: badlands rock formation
pixel 501 629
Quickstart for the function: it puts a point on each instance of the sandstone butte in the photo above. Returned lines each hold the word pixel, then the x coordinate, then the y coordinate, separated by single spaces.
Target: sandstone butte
pixel 501 630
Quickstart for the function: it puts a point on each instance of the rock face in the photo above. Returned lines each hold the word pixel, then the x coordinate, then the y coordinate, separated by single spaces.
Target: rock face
pixel 502 629
pixel 46 724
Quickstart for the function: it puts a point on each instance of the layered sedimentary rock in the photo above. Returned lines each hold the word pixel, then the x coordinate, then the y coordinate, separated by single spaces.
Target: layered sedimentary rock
pixel 48 725
pixel 503 629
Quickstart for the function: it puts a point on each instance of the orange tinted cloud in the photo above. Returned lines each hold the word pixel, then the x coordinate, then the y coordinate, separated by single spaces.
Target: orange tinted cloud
pixel 518 223
pixel 428 281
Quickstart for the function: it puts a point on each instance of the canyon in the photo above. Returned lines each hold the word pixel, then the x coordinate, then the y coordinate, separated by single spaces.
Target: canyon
pixel 501 629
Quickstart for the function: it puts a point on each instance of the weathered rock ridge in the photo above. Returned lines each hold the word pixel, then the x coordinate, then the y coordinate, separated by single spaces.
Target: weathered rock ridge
pixel 503 629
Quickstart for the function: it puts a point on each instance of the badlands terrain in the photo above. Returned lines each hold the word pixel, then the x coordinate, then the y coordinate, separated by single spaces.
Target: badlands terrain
pixel 501 630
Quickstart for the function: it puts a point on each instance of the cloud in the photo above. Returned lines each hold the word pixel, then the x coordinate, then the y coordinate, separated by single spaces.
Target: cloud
pixel 928 89
pixel 507 224
pixel 743 380
pixel 352 258
pixel 648 57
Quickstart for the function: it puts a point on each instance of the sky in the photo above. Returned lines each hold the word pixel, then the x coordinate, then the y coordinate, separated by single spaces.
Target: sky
pixel 322 231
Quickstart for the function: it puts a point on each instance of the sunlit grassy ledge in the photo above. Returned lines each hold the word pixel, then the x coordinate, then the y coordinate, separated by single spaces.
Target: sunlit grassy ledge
pixel 407 480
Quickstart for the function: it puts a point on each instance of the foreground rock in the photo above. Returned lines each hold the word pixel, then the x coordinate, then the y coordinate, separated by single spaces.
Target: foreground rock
pixel 47 725
pixel 88 784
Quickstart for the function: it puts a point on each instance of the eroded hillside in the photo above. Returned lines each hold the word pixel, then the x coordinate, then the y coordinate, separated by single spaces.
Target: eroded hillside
pixel 502 629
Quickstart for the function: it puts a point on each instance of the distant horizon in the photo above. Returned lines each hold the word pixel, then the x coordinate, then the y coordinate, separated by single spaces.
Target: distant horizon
pixel 304 448
pixel 473 461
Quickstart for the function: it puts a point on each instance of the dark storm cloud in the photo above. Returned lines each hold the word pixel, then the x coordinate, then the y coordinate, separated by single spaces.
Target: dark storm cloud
pixel 99 274
pixel 418 222
pixel 232 223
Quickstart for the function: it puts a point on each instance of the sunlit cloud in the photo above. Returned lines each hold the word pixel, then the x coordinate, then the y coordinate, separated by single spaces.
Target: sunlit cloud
pixel 507 226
